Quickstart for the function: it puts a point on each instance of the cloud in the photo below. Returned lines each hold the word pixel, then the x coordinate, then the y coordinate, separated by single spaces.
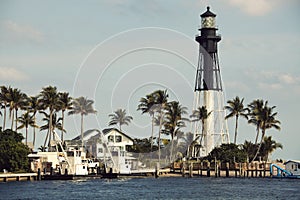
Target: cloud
pixel 273 80
pixel 12 74
pixel 255 8
pixel 20 32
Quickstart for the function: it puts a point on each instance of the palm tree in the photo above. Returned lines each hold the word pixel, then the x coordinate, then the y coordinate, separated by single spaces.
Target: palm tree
pixel 56 124
pixel 119 117
pixel 236 108
pixel 65 103
pixel 17 100
pixel 268 146
pixel 268 120
pixel 33 106
pixel 48 99
pixel 26 120
pixel 255 108
pixel 201 114
pixel 174 121
pixel 82 106
pixel 250 149
pixel 147 106
pixel 160 104
pixel 4 103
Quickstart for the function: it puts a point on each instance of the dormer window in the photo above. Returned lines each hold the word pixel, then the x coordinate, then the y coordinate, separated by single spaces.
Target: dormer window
pixel 118 138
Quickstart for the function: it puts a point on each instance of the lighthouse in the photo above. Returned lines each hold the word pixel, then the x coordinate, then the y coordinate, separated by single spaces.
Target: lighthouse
pixel 208 90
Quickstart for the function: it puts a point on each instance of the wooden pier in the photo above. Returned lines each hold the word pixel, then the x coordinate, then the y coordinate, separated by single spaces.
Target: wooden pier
pixel 211 169
pixel 18 177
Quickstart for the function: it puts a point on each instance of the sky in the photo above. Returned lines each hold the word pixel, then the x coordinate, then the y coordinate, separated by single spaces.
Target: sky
pixel 117 51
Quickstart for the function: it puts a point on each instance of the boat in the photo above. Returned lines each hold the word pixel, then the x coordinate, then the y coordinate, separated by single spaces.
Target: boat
pixel 292 170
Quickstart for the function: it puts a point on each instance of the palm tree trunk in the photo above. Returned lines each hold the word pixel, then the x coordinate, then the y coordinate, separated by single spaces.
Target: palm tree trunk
pixel 257 133
pixel 62 125
pixel 33 136
pixel 4 116
pixel 152 129
pixel 50 129
pixel 236 127
pixel 172 146
pixel 82 131
pixel 26 131
pixel 259 147
pixel 12 121
pixel 46 139
pixel 159 133
pixel 17 120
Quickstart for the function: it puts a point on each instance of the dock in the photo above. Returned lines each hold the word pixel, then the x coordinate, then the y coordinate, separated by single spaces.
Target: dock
pixel 18 177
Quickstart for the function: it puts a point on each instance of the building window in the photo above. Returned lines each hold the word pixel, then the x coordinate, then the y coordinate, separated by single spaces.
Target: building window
pixel 100 150
pixel 118 138
pixel 111 138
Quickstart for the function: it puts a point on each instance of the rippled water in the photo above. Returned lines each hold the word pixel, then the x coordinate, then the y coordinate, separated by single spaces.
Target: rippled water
pixel 151 188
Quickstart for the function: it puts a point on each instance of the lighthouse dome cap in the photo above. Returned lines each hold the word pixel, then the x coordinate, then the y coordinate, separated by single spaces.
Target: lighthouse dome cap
pixel 208 13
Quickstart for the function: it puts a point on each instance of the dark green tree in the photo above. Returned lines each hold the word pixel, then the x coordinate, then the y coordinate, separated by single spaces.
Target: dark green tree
pixel 228 153
pixel 13 153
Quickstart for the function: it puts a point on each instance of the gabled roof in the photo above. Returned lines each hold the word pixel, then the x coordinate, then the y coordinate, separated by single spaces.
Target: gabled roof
pixel 293 161
pixel 93 132
pixel 87 133
pixel 108 130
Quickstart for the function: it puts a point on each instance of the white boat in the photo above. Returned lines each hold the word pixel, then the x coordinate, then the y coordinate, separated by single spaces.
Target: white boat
pixel 292 170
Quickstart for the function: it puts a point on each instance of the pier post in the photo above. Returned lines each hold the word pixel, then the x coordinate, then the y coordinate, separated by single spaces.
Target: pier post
pixel 183 170
pixel 227 169
pixel 39 177
pixel 51 171
pixel 208 169
pixel 191 170
pixel 240 169
pixel 157 170
pixel 255 169
pixel 201 168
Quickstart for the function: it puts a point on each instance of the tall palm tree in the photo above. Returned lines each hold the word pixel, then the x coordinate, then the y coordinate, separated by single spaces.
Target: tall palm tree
pixel 48 99
pixel 56 124
pixel 4 101
pixel 236 109
pixel 82 106
pixel 160 104
pixel 33 106
pixel 255 108
pixel 268 120
pixel 119 117
pixel 268 146
pixel 174 121
pixel 147 106
pixel 26 120
pixel 17 100
pixel 201 114
pixel 65 103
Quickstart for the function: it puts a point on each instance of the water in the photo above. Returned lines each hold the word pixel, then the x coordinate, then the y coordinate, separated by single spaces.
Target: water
pixel 151 188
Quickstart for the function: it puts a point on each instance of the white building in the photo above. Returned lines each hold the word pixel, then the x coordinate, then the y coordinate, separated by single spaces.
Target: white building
pixel 113 138
pixel 293 166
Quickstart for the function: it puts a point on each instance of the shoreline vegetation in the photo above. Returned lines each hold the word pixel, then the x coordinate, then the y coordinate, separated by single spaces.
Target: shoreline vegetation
pixel 168 118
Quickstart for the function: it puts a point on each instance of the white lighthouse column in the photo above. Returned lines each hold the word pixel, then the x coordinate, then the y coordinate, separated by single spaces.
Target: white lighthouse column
pixel 209 122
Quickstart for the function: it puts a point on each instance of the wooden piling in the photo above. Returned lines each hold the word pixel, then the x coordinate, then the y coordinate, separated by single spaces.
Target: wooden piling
pixel 191 170
pixel 208 169
pixel 227 169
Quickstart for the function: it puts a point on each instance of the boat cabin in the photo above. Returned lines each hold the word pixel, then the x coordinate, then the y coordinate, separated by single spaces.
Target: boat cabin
pixel 293 166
